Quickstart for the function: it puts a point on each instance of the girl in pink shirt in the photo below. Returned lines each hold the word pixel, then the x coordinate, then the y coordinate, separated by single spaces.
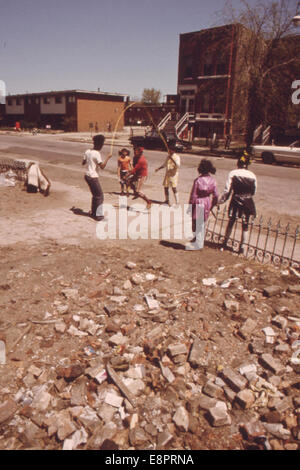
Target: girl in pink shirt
pixel 203 197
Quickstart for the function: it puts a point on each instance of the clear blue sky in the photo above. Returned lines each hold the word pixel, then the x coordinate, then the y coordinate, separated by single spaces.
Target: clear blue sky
pixel 118 46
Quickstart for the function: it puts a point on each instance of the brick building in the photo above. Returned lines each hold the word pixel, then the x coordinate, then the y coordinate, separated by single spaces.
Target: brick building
pixel 143 114
pixel 211 84
pixel 73 110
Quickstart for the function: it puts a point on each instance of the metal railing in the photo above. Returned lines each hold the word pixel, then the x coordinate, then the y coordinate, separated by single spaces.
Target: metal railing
pixel 164 121
pixel 182 124
pixel 268 242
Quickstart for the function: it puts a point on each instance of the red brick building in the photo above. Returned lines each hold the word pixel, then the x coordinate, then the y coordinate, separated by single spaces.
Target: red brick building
pixel 213 81
pixel 143 114
pixel 209 79
pixel 73 110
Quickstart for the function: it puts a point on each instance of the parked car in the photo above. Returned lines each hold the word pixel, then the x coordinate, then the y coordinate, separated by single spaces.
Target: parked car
pixel 153 140
pixel 278 154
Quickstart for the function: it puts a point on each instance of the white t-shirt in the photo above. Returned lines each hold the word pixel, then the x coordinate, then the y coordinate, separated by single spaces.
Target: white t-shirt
pixel 92 158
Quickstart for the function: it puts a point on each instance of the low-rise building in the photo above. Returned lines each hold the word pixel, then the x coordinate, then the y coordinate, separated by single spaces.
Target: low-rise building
pixel 72 110
pixel 143 114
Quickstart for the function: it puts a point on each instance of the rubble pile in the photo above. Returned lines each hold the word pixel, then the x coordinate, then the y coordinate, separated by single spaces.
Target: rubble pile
pixel 136 355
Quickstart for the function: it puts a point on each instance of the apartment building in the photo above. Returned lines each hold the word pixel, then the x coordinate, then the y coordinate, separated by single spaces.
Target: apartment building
pixel 73 110
pixel 209 79
pixel 213 82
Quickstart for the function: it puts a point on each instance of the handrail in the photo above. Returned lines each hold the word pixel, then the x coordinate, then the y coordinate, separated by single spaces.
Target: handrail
pixel 184 120
pixel 164 121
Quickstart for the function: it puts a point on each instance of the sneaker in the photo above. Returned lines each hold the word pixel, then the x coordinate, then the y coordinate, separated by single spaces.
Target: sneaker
pixel 193 246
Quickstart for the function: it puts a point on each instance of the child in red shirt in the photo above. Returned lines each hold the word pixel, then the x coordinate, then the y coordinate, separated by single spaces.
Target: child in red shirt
pixel 138 175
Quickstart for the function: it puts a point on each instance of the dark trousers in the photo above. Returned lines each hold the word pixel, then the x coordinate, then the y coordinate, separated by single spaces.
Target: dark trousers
pixel 97 195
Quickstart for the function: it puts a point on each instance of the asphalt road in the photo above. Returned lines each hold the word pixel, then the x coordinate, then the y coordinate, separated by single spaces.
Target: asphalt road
pixel 278 194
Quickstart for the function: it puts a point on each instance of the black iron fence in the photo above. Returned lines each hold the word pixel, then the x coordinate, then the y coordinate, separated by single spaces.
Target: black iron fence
pixel 267 242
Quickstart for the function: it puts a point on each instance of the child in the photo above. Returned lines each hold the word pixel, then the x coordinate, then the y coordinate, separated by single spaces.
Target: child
pixel 138 175
pixel 172 165
pixel 204 196
pixel 124 166
pixel 241 185
pixel 93 159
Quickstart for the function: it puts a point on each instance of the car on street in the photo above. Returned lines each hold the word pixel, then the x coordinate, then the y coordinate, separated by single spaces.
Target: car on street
pixel 160 141
pixel 278 154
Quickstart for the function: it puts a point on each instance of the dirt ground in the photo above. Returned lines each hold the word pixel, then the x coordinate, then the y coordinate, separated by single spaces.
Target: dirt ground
pixel 47 248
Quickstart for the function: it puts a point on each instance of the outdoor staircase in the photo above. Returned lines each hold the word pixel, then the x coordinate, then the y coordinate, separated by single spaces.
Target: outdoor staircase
pixel 173 126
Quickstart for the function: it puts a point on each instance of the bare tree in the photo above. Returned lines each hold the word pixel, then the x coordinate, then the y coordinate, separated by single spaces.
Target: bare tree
pixel 269 54
pixel 151 96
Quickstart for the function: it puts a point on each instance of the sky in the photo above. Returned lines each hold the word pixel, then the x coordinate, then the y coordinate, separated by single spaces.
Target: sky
pixel 119 46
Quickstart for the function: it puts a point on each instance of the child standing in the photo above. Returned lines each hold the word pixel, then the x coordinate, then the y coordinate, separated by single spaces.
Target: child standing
pixel 124 166
pixel 93 159
pixel 203 197
pixel 171 165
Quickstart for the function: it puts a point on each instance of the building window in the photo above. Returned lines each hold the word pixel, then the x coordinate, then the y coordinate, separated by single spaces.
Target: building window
pixel 188 67
pixel 205 103
pixel 71 99
pixel 221 68
pixel 208 65
pixel 58 99
pixel 183 106
pixel 46 100
pixel 18 101
pixel 220 103
pixel 9 102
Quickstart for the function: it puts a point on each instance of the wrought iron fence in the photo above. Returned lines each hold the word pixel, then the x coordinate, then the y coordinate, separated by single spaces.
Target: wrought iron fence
pixel 267 242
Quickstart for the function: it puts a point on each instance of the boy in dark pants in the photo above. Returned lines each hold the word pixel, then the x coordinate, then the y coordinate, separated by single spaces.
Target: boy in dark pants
pixel 93 159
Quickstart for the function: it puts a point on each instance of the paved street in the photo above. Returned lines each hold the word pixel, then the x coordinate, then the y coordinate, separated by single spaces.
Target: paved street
pixel 278 194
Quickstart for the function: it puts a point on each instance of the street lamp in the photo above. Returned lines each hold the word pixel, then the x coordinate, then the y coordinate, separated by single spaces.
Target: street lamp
pixel 296 20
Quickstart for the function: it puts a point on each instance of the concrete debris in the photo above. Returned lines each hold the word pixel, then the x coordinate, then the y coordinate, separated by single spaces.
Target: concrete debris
pixel 173 364
pixel 211 281
pixel 2 353
pixel 181 419
pixel 272 291
pixel 218 415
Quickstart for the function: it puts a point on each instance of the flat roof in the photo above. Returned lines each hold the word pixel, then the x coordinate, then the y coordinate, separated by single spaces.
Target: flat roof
pixel 225 26
pixel 60 92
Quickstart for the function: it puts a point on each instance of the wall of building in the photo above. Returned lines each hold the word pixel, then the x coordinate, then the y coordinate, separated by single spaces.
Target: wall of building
pixel 14 106
pixel 99 114
pixel 51 106
pixel 147 115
